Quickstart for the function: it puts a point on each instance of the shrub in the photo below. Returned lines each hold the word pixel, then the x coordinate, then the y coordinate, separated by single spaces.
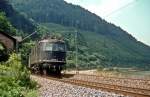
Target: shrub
pixel 14 78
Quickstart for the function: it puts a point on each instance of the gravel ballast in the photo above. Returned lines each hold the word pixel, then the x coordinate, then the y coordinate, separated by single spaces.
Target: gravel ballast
pixel 51 88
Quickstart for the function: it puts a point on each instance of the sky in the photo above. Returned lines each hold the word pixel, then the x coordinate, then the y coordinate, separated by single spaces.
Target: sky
pixel 131 15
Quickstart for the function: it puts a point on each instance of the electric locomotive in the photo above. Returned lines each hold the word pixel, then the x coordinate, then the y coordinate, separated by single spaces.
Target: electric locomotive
pixel 48 56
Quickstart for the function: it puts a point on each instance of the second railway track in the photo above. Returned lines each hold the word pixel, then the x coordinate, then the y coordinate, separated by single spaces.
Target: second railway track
pixel 128 91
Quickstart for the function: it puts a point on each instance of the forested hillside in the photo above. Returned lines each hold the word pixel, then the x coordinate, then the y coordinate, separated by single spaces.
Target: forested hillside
pixel 17 19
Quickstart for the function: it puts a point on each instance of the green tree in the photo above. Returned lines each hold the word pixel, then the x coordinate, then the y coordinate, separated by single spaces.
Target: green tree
pixel 5 25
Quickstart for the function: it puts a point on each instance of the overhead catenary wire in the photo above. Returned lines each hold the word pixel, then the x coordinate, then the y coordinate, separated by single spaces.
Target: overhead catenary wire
pixel 121 8
pixel 29 35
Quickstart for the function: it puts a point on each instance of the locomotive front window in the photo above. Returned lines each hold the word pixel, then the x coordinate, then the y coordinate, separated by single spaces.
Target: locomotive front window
pixel 54 47
pixel 58 47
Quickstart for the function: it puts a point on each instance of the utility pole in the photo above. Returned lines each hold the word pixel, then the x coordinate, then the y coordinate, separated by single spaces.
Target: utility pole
pixel 76 45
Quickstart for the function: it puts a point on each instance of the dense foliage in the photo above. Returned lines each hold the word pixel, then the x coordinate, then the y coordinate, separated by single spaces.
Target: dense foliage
pixel 99 42
pixel 5 25
pixel 18 20
pixel 15 79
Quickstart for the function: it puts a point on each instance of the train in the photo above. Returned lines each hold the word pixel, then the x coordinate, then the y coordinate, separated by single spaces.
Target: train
pixel 48 56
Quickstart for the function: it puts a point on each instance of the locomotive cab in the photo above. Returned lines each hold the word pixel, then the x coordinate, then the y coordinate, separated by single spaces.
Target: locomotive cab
pixel 53 51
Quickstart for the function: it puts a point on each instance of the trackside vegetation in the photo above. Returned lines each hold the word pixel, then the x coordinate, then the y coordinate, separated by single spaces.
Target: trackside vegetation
pixel 15 79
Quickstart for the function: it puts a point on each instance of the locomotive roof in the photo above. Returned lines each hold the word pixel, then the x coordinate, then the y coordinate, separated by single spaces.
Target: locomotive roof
pixel 51 40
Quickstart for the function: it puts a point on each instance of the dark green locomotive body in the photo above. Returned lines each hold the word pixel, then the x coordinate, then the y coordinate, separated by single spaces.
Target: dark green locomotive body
pixel 48 55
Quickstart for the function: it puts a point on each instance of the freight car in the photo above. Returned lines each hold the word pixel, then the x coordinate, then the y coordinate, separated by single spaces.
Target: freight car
pixel 48 56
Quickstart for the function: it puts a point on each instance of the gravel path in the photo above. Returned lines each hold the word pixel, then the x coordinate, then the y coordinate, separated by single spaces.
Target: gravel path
pixel 51 88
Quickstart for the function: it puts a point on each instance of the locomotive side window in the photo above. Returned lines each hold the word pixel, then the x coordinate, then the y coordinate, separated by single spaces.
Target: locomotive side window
pixel 48 47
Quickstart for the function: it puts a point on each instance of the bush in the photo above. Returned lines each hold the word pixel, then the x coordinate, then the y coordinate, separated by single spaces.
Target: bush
pixel 14 78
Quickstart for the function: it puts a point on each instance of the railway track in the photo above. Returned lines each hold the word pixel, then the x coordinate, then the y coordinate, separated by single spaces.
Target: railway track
pixel 127 91
pixel 128 82
pixel 115 77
